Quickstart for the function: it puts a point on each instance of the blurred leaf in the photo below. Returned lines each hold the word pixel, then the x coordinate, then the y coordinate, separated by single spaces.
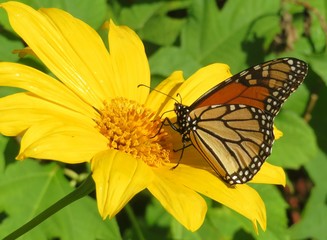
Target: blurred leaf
pixel 5 91
pixel 302 48
pixel 298 101
pixel 222 222
pixel 4 22
pixel 318 64
pixel 276 213
pixel 298 144
pixel 314 217
pixel 156 215
pixel 8 44
pixel 319 118
pixel 180 232
pixel 9 149
pixel 264 31
pixel 3 144
pixel 317 16
pixel 27 188
pixel 157 220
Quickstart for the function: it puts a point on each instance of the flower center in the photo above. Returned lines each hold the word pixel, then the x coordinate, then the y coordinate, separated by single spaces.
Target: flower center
pixel 131 128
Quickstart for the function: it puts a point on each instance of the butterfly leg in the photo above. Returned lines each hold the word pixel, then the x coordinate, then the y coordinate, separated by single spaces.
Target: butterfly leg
pixel 163 123
pixel 167 122
pixel 181 156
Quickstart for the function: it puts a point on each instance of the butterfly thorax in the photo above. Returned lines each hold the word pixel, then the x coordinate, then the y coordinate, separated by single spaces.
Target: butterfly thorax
pixel 184 122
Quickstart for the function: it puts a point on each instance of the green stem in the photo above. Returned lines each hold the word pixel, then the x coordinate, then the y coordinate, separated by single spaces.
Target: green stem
pixel 84 189
pixel 135 223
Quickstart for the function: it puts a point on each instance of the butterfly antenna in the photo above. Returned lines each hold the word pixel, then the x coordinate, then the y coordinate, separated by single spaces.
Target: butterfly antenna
pixel 180 98
pixel 153 89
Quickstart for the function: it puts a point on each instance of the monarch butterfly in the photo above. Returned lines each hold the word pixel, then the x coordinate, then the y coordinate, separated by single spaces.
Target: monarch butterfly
pixel 231 125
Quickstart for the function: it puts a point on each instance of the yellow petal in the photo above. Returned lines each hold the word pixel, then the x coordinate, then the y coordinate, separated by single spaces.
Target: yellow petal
pixel 202 81
pixel 158 100
pixel 270 174
pixel 23 110
pixel 71 49
pixel 118 177
pixel 130 62
pixel 241 198
pixel 57 141
pixel 188 207
pixel 278 134
pixel 32 80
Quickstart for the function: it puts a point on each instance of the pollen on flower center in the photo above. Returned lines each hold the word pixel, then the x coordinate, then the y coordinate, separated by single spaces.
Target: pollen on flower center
pixel 131 128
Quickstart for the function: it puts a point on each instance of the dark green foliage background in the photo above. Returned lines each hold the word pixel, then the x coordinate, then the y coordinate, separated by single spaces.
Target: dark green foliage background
pixel 186 35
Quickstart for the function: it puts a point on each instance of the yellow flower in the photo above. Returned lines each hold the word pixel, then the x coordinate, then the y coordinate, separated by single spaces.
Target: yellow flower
pixel 95 112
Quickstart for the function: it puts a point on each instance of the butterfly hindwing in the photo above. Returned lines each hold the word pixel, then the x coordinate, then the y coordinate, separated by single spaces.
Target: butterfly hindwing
pixel 234 139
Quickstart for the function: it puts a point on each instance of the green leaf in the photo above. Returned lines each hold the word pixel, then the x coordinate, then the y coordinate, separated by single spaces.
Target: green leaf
pixel 9 43
pixel 317 20
pixel 276 213
pixel 318 64
pixel 202 29
pixel 298 143
pixel 156 222
pixel 151 20
pixel 314 217
pixel 224 223
pixel 227 35
pixel 161 30
pixel 319 118
pixel 27 188
pixel 4 22
pixel 156 215
pixel 180 232
pixel 297 102
pixel 8 149
pixel 220 223
pixel 169 59
pixel 3 143
pixel 218 39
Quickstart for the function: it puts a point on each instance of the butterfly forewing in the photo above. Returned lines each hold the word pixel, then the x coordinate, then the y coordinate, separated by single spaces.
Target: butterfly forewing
pixel 265 86
pixel 231 125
